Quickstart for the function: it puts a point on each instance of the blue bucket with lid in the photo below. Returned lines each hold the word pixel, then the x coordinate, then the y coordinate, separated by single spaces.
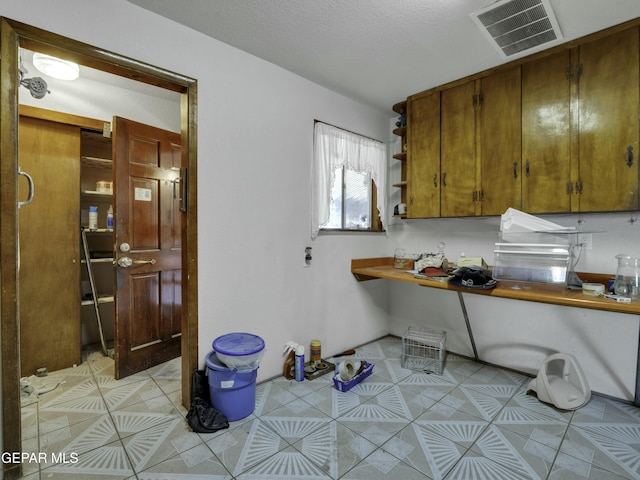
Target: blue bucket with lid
pixel 233 392
pixel 239 351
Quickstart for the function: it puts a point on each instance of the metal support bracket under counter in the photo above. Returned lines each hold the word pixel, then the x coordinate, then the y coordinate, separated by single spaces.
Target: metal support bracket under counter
pixel 383 268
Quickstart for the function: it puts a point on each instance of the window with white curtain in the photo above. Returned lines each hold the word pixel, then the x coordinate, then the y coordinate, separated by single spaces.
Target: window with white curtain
pixel 349 179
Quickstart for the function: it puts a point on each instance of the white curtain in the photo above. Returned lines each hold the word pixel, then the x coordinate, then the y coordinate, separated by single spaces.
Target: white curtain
pixel 334 147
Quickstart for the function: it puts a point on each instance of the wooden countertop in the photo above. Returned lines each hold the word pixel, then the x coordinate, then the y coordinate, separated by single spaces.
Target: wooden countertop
pixel 374 268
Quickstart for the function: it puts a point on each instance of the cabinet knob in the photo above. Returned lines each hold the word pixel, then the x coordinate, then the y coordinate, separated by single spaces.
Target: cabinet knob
pixel 629 156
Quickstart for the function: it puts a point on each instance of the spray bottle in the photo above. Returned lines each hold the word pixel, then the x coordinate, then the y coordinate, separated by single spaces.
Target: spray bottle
pixel 289 367
pixel 110 218
pixel 299 363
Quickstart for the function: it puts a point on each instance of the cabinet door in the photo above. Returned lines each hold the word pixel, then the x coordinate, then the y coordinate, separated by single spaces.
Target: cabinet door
pixel 546 134
pixel 49 246
pixel 500 142
pixel 423 159
pixel 608 123
pixel 458 154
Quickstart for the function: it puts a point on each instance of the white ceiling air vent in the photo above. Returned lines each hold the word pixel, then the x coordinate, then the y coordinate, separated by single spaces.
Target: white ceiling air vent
pixel 517 26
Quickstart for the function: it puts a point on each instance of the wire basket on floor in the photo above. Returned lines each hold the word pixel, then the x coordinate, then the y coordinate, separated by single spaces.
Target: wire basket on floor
pixel 424 349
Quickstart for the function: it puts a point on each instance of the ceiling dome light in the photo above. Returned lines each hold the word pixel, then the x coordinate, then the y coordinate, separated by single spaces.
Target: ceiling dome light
pixel 55 67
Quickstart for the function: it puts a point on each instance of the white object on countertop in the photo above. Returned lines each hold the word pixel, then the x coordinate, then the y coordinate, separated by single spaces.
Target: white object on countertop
pixel 468 261
pixel 595 289
pixel 515 221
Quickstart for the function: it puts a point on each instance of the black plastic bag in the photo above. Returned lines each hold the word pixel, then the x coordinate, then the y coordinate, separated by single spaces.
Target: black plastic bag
pixel 202 416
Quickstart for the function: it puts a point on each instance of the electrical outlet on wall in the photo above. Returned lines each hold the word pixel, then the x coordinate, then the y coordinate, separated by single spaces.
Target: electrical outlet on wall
pixel 585 240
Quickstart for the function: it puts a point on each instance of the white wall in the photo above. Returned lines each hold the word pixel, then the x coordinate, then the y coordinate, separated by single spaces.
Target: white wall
pixel 255 124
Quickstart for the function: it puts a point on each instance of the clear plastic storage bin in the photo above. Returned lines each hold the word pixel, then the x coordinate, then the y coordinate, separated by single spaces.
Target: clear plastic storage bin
pixel 531 262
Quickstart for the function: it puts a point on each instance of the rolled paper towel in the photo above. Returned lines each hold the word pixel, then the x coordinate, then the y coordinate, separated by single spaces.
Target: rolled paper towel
pixel 348 370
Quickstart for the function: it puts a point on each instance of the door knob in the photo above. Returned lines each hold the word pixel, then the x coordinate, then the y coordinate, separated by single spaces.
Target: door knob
pixel 125 262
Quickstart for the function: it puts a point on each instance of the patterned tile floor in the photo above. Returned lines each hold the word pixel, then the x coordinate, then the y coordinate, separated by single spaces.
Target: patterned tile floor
pixel 472 422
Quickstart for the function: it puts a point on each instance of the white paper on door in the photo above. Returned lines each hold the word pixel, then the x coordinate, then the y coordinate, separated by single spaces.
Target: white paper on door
pixel 142 194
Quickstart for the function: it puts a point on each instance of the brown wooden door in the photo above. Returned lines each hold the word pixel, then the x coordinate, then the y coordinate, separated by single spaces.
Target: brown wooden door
pixel 49 276
pixel 608 123
pixel 458 155
pixel 546 134
pixel 423 157
pixel 500 142
pixel 148 292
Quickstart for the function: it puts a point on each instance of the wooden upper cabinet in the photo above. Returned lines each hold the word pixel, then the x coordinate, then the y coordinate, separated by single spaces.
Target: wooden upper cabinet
pixel 608 123
pixel 480 168
pixel 423 156
pixel 458 151
pixel 500 142
pixel 546 134
pixel 559 132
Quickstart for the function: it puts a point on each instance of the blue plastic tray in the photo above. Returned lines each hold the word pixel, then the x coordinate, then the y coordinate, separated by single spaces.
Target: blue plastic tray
pixel 346 386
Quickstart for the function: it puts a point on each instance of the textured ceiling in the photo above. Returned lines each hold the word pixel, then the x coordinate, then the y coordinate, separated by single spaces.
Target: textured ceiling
pixel 377 52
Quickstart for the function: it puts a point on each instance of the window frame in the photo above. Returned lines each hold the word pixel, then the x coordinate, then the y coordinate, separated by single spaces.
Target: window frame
pixel 375 224
pixel 368 155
